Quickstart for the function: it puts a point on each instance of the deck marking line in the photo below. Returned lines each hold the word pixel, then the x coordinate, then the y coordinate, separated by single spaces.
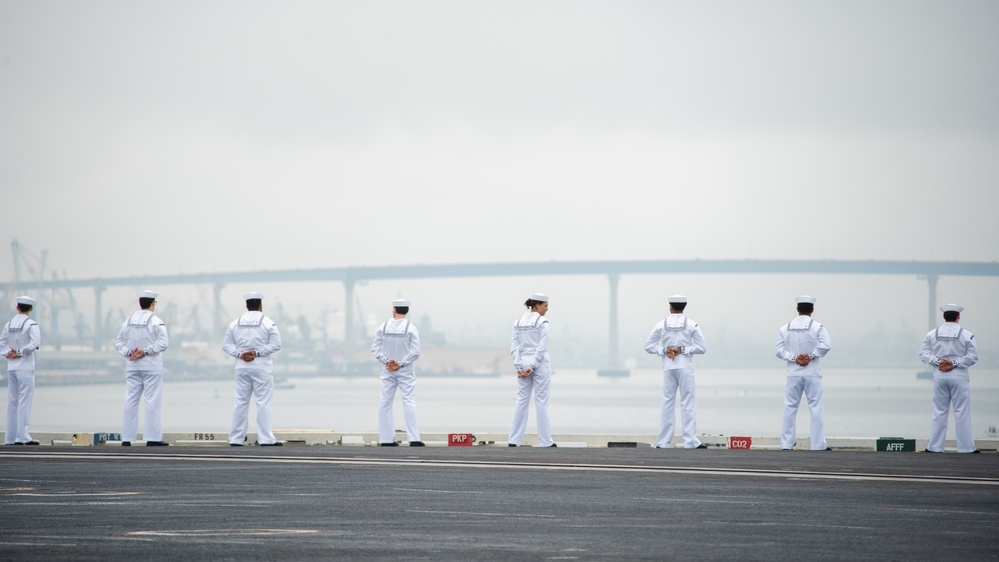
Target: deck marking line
pixel 348 461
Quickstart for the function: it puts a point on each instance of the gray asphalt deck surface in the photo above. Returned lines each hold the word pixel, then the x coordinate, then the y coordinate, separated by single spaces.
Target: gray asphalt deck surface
pixel 483 503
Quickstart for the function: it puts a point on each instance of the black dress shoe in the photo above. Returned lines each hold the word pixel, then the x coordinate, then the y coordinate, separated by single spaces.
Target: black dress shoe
pixel 392 444
pixel 157 444
pixel 552 445
pixel 512 445
pixel 417 444
pixel 19 443
pixel 827 449
pixel 126 443
pixel 32 443
pixel 929 451
pixel 702 446
pixel 235 444
pixel 970 452
pixel 275 444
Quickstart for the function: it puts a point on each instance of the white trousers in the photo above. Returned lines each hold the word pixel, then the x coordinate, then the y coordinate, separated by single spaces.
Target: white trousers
pixel 540 383
pixel 949 390
pixel 684 381
pixel 811 387
pixel 405 381
pixel 137 384
pixel 20 392
pixel 260 384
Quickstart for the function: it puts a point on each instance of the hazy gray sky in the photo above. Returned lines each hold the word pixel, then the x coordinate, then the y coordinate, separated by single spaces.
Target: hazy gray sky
pixel 163 137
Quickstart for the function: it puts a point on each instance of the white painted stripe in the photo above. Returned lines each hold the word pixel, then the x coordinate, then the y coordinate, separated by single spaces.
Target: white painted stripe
pixel 787 524
pixel 369 461
pixel 74 494
pixel 128 503
pixel 517 515
pixel 221 532
pixel 438 491
pixel 36 544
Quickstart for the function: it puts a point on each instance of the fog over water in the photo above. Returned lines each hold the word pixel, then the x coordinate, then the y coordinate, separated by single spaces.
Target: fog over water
pixel 185 137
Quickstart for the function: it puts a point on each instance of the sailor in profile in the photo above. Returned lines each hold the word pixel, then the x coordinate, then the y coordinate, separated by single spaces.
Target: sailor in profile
pixel 252 339
pixel 19 340
pixel 529 350
pixel 951 349
pixel 677 339
pixel 396 347
pixel 142 341
pixel 801 344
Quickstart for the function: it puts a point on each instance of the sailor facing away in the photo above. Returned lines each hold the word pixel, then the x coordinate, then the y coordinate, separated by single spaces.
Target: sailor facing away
pixel 677 339
pixel 142 341
pixel 19 340
pixel 951 349
pixel 397 346
pixel 252 339
pixel 529 350
pixel 801 344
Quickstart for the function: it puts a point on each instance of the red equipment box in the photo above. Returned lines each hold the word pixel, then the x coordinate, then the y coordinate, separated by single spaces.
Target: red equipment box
pixel 740 442
pixel 460 439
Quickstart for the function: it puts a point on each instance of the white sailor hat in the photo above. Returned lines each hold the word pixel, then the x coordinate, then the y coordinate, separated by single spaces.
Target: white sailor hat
pixel 25 300
pixel 678 299
pixel 398 303
pixel 253 295
pixel 540 297
pixel 805 299
pixel 148 294
pixel 951 308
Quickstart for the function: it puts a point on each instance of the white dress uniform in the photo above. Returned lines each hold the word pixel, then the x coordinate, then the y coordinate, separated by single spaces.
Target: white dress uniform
pixel 676 330
pixel 400 340
pixel 146 331
pixel 23 336
pixel 253 332
pixel 950 341
pixel 529 350
pixel 803 335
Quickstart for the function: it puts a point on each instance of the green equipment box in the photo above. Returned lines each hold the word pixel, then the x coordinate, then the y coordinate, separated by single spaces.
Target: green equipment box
pixel 896 445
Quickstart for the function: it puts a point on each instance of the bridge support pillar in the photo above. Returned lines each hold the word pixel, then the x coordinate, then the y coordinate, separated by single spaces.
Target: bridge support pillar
pixel 612 339
pixel 614 368
pixel 348 320
pixel 98 319
pixel 217 309
pixel 931 281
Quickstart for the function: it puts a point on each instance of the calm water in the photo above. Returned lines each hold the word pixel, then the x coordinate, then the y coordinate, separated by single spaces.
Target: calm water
pixel 730 402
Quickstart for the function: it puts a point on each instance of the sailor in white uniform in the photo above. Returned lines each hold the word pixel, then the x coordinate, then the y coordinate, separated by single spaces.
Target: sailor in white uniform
pixel 529 350
pixel 801 344
pixel 252 339
pixel 396 347
pixel 19 341
pixel 142 341
pixel 677 339
pixel 951 349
